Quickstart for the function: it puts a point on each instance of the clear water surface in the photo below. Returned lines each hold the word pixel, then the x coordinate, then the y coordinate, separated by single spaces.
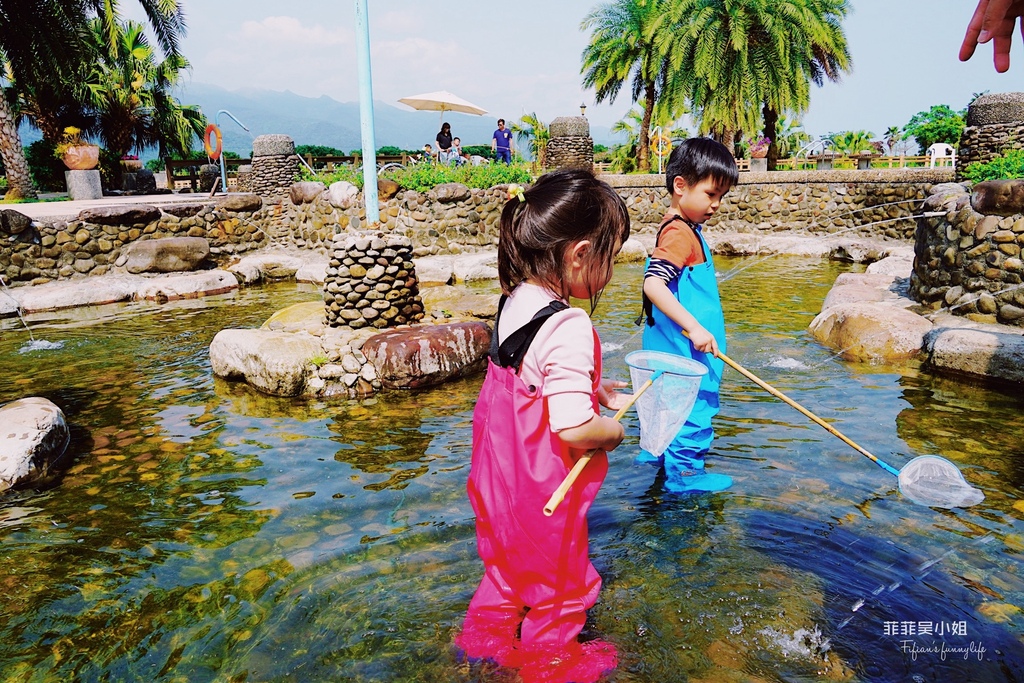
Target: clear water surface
pixel 201 531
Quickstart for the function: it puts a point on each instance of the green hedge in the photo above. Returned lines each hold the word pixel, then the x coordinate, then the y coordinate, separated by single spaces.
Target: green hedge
pixel 1010 165
pixel 424 177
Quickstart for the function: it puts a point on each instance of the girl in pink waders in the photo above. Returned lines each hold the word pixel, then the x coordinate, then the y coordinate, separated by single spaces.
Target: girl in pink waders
pixel 538 411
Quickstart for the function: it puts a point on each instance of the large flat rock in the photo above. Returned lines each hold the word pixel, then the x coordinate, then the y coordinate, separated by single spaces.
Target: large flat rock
pixel 276 363
pixel 187 286
pixel 995 351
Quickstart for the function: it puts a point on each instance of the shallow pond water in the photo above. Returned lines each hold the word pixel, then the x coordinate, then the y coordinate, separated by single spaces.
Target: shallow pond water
pixel 202 531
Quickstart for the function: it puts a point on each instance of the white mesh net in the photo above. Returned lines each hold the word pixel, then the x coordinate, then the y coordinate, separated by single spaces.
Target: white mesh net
pixel 936 482
pixel 664 407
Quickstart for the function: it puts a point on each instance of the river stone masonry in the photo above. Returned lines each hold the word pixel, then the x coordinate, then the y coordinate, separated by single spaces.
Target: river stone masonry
pixel 995 125
pixel 968 260
pixel 371 281
pixel 274 166
pixel 570 144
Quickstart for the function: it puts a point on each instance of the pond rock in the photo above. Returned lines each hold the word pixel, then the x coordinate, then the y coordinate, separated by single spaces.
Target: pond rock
pixel 999 197
pixel 343 195
pixel 245 203
pixel 13 222
pixel 187 286
pixel 167 255
pixel 275 363
pixel 876 332
pixel 429 355
pixel 33 435
pixel 985 351
pixel 123 214
pixel 305 192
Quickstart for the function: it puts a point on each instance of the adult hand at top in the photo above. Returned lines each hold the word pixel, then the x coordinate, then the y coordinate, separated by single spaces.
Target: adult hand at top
pixel 993 20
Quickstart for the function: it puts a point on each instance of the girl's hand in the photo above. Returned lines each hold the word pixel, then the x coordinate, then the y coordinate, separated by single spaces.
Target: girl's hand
pixel 609 398
pixel 703 341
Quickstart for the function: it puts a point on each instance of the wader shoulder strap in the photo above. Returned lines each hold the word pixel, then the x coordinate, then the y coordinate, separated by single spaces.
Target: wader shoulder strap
pixel 646 312
pixel 512 351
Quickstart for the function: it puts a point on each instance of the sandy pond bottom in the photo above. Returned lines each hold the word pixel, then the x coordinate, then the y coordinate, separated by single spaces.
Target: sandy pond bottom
pixel 204 532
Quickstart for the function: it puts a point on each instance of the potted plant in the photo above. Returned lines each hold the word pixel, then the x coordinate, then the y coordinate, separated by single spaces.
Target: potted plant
pixel 759 147
pixel 76 153
pixel 758 153
pixel 131 163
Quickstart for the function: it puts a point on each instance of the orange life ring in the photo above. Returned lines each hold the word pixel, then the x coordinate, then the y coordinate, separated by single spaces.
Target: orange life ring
pixel 661 144
pixel 211 151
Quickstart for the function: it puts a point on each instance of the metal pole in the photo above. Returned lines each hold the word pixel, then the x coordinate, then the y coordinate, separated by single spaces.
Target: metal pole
pixel 223 166
pixel 366 114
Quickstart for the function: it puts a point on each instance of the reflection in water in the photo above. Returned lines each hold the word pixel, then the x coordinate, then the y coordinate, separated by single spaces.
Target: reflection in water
pixel 199 530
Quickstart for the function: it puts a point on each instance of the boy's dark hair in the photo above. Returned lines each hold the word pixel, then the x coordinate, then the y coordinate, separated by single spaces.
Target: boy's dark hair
pixel 501 120
pixel 698 158
pixel 562 208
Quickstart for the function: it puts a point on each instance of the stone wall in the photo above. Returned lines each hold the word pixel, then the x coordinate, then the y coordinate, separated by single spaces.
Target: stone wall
pixel 570 144
pixel 449 219
pixel 995 125
pixel 95 242
pixel 815 202
pixel 968 259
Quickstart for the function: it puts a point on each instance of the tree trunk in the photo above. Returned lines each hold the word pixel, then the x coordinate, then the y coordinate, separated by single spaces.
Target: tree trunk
pixel 771 120
pixel 729 140
pixel 19 180
pixel 644 152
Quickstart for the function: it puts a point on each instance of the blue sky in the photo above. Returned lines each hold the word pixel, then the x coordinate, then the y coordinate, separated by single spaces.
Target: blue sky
pixel 512 58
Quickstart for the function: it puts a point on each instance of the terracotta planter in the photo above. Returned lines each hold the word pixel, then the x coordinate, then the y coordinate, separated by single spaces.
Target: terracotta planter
pixel 82 157
pixel 759 155
pixel 131 165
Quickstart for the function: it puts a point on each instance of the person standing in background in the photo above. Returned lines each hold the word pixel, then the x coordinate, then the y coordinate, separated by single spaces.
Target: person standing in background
pixel 444 142
pixel 501 143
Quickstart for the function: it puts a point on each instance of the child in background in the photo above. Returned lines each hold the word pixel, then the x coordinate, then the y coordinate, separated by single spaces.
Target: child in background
pixel 538 412
pixel 457 156
pixel 681 296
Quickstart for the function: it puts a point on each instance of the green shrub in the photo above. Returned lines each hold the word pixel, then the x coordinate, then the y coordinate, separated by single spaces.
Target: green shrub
pixel 155 165
pixel 318 151
pixel 1010 165
pixel 424 177
pixel 46 169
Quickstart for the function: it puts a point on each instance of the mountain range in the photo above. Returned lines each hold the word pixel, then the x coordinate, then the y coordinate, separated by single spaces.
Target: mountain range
pixel 326 121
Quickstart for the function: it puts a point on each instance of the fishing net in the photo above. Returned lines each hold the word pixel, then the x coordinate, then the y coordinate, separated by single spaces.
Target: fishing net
pixel 664 407
pixel 936 482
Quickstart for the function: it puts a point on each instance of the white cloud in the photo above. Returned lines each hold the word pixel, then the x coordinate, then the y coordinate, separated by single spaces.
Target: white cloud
pixel 282 52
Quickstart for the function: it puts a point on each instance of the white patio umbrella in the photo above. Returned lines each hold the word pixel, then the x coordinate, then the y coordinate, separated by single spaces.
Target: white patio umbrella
pixel 442 101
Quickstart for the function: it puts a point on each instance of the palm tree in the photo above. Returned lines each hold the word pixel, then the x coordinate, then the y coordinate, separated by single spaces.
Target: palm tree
pixel 893 135
pixel 623 49
pixel 746 62
pixel 853 141
pixel 44 41
pixel 535 132
pixel 791 137
pixel 632 123
pixel 130 93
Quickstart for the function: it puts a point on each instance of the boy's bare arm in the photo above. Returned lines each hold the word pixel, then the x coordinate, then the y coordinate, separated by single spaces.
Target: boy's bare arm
pixel 597 432
pixel 658 292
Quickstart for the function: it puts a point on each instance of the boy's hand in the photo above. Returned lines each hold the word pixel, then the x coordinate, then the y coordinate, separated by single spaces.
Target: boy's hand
pixel 703 341
pixel 609 398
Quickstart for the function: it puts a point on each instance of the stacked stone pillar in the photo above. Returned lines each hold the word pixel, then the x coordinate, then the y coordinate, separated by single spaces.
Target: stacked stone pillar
pixel 274 166
pixel 570 145
pixel 995 125
pixel 371 281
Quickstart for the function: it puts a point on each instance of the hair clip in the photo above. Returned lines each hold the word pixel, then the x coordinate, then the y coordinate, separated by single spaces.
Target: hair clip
pixel 516 191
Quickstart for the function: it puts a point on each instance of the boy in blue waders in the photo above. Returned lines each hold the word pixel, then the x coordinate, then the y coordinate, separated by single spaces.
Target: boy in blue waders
pixel 682 305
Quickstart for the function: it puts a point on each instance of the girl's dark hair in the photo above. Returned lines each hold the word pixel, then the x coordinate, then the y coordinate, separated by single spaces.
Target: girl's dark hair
pixel 562 208
pixel 446 128
pixel 698 158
